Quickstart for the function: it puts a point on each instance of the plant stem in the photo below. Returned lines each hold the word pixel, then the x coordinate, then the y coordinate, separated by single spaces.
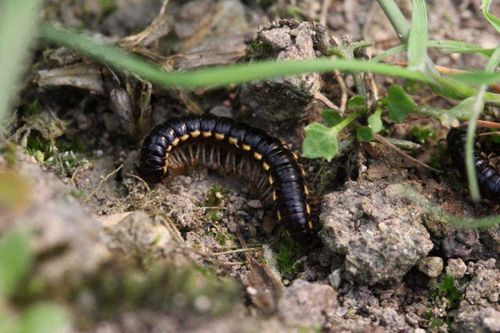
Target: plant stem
pixel 471 129
pixel 349 119
pixel 397 18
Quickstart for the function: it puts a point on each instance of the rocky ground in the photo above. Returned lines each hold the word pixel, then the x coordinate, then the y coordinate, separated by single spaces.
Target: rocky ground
pixel 199 252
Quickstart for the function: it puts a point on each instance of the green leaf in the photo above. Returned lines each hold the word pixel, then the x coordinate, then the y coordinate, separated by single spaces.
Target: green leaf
pixel 331 117
pixel 320 142
pixel 446 46
pixel 398 103
pixel 463 110
pixel 43 318
pixel 357 103
pixel 477 78
pixel 15 261
pixel 375 121
pixel 417 42
pixel 364 134
pixel 494 21
pixel 454 46
pixel 215 76
pixel 18 21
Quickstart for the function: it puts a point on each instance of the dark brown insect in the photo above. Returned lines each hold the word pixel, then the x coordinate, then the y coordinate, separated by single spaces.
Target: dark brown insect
pixel 221 143
pixel 488 177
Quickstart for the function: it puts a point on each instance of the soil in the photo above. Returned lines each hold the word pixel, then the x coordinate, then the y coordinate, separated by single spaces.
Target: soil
pixel 200 252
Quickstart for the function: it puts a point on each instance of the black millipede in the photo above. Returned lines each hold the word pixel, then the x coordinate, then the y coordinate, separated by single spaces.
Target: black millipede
pixel 222 143
pixel 488 177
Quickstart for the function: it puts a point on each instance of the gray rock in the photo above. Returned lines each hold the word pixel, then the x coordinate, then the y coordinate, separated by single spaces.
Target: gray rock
pixel 307 304
pixel 285 97
pixel 380 234
pixel 479 311
pixel 484 288
pixel 477 319
pixel 431 266
pixel 456 268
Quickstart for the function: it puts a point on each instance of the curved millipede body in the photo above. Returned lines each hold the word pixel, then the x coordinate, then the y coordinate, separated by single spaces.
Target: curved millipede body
pixel 221 143
pixel 488 177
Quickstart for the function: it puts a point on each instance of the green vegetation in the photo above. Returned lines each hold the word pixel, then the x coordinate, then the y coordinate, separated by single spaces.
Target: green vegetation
pixel 288 253
pixel 16 261
pixel 446 290
pixel 213 202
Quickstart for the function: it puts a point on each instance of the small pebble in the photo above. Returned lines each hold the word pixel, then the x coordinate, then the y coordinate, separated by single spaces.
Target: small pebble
pixel 456 268
pixel 256 204
pixel 430 266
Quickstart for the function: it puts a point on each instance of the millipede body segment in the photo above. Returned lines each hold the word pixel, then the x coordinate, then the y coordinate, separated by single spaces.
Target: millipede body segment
pixel 221 143
pixel 488 177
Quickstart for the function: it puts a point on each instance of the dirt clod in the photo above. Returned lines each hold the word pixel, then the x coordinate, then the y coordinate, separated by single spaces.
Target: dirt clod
pixel 381 236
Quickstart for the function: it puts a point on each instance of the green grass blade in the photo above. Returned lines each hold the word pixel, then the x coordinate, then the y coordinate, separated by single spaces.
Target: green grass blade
pixel 477 78
pixel 477 108
pixel 17 27
pixel 216 76
pixel 387 53
pixel 446 46
pixel 466 223
pixel 240 73
pixel 494 21
pixel 417 43
pixel 398 21
pixel 453 46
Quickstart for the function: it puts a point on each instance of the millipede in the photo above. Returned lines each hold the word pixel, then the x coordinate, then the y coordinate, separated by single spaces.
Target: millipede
pixel 222 143
pixel 488 177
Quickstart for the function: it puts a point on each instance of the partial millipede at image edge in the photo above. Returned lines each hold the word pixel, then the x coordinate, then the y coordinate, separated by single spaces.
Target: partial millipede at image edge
pixel 488 177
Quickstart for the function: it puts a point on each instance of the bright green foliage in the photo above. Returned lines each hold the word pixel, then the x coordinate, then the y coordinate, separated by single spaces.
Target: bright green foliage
pixel 15 261
pixel 375 121
pixel 448 289
pixel 320 142
pixel 357 103
pixel 494 21
pixel 331 117
pixel 42 318
pixel 17 29
pixel 287 255
pixel 399 104
pixel 364 134
pixel 417 42
pixel 422 134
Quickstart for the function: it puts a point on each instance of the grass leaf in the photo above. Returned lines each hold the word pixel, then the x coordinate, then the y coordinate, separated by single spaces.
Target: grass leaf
pixel 453 46
pixel 17 28
pixel 417 43
pixel 216 76
pixel 477 108
pixel 477 78
pixel 494 21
